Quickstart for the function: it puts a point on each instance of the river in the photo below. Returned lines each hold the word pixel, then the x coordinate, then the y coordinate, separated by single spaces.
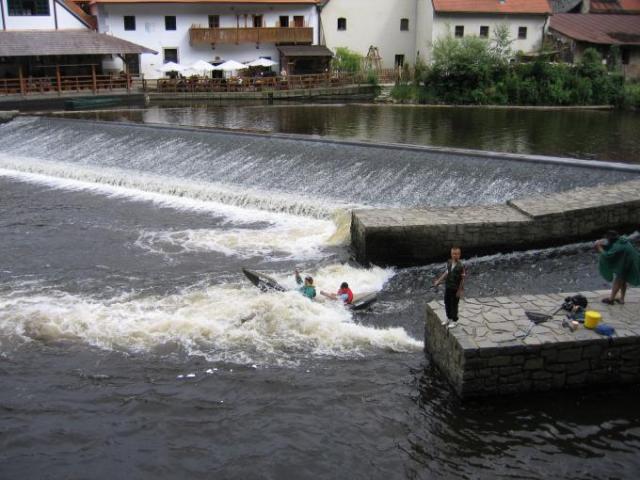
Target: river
pixel 132 345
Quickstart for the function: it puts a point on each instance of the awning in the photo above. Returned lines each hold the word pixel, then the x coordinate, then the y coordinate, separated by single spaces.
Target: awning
pixel 64 42
pixel 305 51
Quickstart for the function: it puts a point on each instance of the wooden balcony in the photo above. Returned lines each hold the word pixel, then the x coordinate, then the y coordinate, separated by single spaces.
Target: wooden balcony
pixel 289 35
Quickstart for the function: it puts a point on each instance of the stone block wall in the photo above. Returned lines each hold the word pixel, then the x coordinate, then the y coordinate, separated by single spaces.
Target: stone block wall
pixel 487 355
pixel 406 237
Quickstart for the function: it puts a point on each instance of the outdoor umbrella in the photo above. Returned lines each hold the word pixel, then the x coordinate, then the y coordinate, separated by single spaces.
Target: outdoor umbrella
pixel 171 67
pixel 201 67
pixel 261 62
pixel 230 66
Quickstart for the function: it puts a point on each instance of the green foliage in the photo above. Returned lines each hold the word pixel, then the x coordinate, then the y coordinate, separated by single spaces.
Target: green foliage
pixel 501 42
pixel 471 70
pixel 346 60
pixel 372 78
pixel 419 71
pixel 631 96
pixel 403 93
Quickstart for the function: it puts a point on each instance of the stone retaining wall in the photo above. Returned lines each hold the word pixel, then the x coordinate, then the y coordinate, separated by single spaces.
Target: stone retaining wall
pixel 486 353
pixel 418 236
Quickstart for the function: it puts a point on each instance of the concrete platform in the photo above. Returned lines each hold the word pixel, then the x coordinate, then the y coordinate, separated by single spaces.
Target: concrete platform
pixel 486 353
pixel 412 236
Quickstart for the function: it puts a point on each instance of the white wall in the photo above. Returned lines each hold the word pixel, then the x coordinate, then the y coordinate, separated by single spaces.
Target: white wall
pixel 150 30
pixel 424 30
pixel 47 22
pixel 374 23
pixel 444 24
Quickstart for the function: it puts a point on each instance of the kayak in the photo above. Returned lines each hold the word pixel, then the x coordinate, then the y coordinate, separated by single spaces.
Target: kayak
pixel 262 281
pixel 362 301
pixel 266 283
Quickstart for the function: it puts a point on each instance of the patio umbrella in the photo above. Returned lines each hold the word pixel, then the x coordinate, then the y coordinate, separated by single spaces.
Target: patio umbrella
pixel 200 67
pixel 261 62
pixel 230 66
pixel 171 67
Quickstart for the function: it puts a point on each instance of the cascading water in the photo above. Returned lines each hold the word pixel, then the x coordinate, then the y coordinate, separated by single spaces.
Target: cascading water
pixel 122 305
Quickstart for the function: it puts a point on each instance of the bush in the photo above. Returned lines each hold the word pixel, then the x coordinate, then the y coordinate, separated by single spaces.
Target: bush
pixel 346 60
pixel 403 93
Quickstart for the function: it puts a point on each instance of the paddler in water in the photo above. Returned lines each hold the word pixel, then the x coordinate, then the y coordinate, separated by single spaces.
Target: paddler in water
pixel 344 293
pixel 307 289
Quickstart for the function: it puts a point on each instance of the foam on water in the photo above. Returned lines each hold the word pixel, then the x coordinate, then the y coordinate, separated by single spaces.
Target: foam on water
pixel 231 322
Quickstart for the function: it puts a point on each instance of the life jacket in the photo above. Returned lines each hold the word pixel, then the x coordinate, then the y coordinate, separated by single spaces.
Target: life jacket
pixel 349 293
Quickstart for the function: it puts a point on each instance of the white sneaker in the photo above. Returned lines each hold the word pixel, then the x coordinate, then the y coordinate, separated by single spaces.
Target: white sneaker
pixel 444 322
pixel 452 325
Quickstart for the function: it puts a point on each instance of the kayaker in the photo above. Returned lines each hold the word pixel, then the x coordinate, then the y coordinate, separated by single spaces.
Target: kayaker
pixel 619 262
pixel 344 293
pixel 307 289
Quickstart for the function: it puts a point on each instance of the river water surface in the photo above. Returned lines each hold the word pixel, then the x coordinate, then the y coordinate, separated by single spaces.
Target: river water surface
pixel 131 345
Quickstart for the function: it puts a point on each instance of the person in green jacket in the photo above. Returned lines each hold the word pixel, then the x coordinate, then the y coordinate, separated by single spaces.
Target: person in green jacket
pixel 619 262
pixel 307 289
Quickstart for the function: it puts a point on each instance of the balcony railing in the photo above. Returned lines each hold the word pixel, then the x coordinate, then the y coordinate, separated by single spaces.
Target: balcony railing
pixel 290 35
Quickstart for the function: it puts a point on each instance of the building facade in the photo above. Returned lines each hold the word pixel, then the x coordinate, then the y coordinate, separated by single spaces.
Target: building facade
pixel 404 30
pixel 213 31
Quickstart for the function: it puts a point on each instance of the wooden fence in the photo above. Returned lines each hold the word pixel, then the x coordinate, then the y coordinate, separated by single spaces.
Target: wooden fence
pixel 59 84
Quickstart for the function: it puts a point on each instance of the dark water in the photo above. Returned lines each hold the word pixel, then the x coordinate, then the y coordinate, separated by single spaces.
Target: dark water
pixel 589 134
pixel 113 289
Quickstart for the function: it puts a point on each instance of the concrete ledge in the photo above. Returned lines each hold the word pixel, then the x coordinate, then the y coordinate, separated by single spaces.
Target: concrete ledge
pixel 8 115
pixel 418 236
pixel 267 95
pixel 485 353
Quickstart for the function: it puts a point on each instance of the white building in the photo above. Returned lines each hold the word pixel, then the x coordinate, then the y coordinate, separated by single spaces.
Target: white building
pixel 209 30
pixel 21 15
pixel 389 25
pixel 48 38
pixel 405 29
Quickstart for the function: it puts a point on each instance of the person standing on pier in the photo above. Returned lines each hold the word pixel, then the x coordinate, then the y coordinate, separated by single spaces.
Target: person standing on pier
pixel 619 262
pixel 453 277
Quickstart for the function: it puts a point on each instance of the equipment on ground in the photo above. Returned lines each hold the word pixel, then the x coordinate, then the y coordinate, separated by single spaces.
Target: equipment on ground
pixel 537 318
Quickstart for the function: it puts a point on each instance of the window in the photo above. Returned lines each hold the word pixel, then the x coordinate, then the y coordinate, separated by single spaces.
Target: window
pixel 484 31
pixel 459 32
pixel 257 21
pixel 132 60
pixel 129 22
pixel 399 61
pixel 214 21
pixel 20 8
pixel 170 23
pixel 626 55
pixel 342 24
pixel 284 20
pixel 298 21
pixel 522 33
pixel 404 24
pixel 170 55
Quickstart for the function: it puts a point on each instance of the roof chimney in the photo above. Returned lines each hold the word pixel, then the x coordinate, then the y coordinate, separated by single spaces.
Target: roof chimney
pixel 586 6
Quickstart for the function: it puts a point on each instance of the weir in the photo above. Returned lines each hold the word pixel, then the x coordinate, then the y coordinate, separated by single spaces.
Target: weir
pixel 487 352
pixel 274 170
pixel 419 236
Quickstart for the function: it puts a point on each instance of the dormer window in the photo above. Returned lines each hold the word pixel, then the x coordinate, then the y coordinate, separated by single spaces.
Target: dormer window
pixel 28 8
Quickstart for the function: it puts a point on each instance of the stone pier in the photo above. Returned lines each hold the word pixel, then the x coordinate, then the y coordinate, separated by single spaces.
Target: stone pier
pixel 488 354
pixel 404 236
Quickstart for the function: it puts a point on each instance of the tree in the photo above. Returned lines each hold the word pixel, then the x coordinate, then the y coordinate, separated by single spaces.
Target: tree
pixel 501 42
pixel 346 60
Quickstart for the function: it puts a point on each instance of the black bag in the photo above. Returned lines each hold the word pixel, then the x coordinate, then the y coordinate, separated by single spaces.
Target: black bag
pixel 575 301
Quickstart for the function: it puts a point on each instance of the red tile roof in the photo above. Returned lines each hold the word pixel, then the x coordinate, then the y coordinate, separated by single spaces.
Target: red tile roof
pixel 609 29
pixel 615 6
pixel 535 7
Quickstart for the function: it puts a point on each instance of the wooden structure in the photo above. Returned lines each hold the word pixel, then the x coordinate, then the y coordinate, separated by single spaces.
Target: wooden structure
pixel 257 35
pixel 59 84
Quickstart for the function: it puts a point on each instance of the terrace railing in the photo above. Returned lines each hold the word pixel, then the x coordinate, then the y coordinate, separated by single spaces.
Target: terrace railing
pixel 60 84
pixel 295 35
